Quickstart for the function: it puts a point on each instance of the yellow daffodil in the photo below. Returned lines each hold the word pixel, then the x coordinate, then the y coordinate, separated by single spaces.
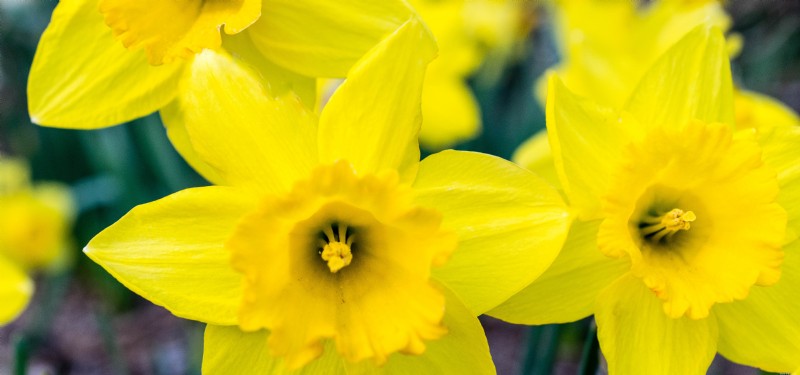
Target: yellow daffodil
pixel 468 32
pixel 607 45
pixel 34 221
pixel 333 249
pixel 686 243
pixel 104 62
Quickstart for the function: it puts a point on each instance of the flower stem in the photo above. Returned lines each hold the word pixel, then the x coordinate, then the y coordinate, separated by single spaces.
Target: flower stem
pixel 542 348
pixel 590 358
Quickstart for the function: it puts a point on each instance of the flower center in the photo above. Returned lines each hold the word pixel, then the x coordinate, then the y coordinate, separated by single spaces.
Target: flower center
pixel 336 248
pixel 661 228
pixel 292 249
pixel 712 254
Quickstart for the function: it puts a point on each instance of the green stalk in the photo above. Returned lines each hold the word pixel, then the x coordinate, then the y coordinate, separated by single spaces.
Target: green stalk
pixel 542 349
pixel 22 354
pixel 590 357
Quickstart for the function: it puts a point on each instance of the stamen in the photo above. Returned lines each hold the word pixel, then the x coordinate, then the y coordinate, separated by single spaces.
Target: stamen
pixel 329 233
pixel 337 254
pixel 342 233
pixel 657 228
pixel 337 249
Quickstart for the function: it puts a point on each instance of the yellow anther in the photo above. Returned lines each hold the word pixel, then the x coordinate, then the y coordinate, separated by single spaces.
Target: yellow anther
pixel 667 224
pixel 676 219
pixel 337 254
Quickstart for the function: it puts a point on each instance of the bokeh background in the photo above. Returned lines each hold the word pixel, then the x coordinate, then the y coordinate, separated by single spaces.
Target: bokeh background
pixel 81 321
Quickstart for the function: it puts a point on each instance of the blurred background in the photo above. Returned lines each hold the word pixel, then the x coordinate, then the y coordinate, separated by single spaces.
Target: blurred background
pixel 81 321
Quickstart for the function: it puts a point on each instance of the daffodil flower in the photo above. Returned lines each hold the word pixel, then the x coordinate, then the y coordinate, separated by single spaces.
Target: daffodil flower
pixel 686 242
pixel 104 62
pixel 333 249
pixel 468 33
pixel 34 221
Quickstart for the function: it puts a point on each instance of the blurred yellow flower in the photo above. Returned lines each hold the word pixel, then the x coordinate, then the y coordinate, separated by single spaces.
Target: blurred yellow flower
pixel 754 110
pixel 333 248
pixel 104 62
pixel 607 45
pixel 469 33
pixel 16 289
pixel 34 221
pixel 687 239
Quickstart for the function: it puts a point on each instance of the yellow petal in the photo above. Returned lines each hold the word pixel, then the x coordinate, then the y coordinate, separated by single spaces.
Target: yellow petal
pixel 33 228
pixel 250 138
pixel 636 336
pixel 83 78
pixel 15 175
pixel 510 223
pixel 605 59
pixel 281 80
pixel 692 80
pixel 59 198
pixel 15 291
pixel 229 350
pixel 754 110
pixel 449 112
pixel 171 252
pixel 322 38
pixel 172 118
pixel 535 155
pixel 463 350
pixel 56 196
pixel 780 152
pixel 373 119
pixel 596 53
pixel 461 53
pixel 170 30
pixel 567 291
pixel 586 141
pixel 763 330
